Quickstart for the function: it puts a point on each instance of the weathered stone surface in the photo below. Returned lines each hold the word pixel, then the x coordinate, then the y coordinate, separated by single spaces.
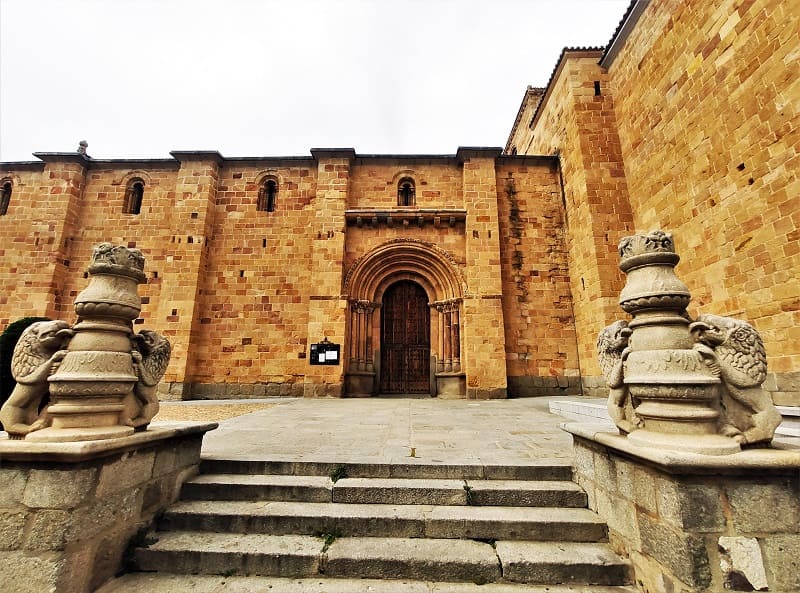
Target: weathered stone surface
pixel 423 559
pixel 779 515
pixel 696 507
pixel 122 508
pixel 129 470
pixel 21 572
pixel 13 486
pixel 48 529
pixel 562 562
pixel 644 489
pixel 741 564
pixel 11 530
pixel 782 555
pixel 259 487
pixel 218 553
pixel 59 488
pixel 682 553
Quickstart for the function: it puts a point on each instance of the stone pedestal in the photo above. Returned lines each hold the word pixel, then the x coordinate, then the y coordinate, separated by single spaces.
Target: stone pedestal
pixel 691 522
pixel 69 510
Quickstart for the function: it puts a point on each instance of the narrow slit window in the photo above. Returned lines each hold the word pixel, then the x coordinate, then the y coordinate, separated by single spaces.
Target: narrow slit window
pixel 268 195
pixel 134 195
pixel 406 192
pixel 5 196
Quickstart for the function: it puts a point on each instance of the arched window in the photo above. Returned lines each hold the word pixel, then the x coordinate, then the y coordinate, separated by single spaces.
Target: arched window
pixel 405 192
pixel 5 195
pixel 267 195
pixel 133 196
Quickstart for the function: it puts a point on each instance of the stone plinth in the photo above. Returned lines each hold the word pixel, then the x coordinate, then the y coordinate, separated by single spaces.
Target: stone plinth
pixel 691 522
pixel 69 510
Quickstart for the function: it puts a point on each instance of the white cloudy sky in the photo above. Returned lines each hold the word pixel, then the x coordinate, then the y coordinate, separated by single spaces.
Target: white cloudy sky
pixel 138 78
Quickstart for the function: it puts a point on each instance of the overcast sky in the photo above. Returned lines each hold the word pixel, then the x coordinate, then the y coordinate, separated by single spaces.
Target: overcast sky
pixel 138 78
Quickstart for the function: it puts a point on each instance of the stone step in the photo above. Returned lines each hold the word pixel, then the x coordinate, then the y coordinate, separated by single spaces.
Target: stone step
pixel 148 582
pixel 258 487
pixel 384 490
pixel 381 520
pixel 383 558
pixel 540 469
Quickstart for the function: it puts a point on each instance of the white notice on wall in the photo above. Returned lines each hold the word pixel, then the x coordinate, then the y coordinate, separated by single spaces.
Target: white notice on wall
pixel 331 355
pixel 322 357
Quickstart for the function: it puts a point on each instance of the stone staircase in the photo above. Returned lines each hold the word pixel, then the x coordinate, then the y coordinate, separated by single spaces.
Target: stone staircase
pixel 313 527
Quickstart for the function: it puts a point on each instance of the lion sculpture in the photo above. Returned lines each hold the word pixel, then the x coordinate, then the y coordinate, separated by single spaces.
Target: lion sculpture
pixel 612 350
pixel 150 359
pixel 37 355
pixel 734 352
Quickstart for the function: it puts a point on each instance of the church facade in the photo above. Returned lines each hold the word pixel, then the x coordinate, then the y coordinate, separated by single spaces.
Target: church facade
pixel 485 273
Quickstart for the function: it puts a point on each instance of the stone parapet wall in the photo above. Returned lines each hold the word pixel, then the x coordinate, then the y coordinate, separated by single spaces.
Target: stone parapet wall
pixel 696 523
pixel 69 510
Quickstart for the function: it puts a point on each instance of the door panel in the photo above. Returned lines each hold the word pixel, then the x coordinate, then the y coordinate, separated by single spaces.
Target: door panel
pixel 405 339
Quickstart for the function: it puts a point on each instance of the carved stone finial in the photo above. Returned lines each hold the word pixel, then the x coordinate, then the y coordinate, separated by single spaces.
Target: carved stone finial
pixel 82 146
pixel 100 376
pixel 675 384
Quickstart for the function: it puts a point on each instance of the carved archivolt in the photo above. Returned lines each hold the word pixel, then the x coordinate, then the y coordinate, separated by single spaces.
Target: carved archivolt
pixel 432 267
pixel 135 174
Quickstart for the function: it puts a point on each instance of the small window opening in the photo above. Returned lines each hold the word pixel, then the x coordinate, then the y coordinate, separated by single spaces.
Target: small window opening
pixel 267 197
pixel 406 192
pixel 133 197
pixel 5 196
pixel 596 88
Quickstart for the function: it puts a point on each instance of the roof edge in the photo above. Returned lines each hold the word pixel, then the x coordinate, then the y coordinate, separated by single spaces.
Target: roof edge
pixel 624 29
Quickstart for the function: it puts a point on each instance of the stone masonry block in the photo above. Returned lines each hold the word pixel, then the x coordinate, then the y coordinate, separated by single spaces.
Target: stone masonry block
pixel 188 451
pixel 11 529
pixel 696 507
pixel 101 515
pixel 766 507
pixel 59 489
pixel 48 530
pixel 129 470
pixel 782 557
pixel 624 479
pixel 165 460
pixel 620 515
pixel 605 472
pixel 683 554
pixel 644 490
pixel 21 572
pixel 13 486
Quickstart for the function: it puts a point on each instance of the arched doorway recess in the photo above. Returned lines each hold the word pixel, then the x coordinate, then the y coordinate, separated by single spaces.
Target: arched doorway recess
pixel 405 339
pixel 370 281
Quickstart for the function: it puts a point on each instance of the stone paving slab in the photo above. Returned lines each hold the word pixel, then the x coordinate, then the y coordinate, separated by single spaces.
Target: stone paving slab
pixel 370 430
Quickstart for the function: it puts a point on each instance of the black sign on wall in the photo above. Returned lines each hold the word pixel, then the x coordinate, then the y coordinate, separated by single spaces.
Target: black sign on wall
pixel 325 352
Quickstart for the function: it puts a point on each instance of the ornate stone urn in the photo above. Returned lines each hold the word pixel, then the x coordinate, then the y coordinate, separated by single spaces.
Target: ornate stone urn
pixel 665 391
pixel 93 386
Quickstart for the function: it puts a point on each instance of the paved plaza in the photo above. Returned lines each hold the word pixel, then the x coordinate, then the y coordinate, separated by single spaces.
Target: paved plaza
pixel 491 432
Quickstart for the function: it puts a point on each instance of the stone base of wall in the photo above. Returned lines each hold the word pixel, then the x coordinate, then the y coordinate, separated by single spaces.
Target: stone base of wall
pixel 68 511
pixel 543 386
pixel 692 522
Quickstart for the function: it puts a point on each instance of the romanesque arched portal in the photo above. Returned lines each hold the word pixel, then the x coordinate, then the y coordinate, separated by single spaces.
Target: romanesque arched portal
pixel 433 274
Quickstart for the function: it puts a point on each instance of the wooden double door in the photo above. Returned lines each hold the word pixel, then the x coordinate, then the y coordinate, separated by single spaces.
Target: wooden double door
pixel 405 339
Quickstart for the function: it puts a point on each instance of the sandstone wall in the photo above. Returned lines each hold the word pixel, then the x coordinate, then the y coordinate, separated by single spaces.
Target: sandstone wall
pixel 707 100
pixel 576 121
pixel 254 303
pixel 541 353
